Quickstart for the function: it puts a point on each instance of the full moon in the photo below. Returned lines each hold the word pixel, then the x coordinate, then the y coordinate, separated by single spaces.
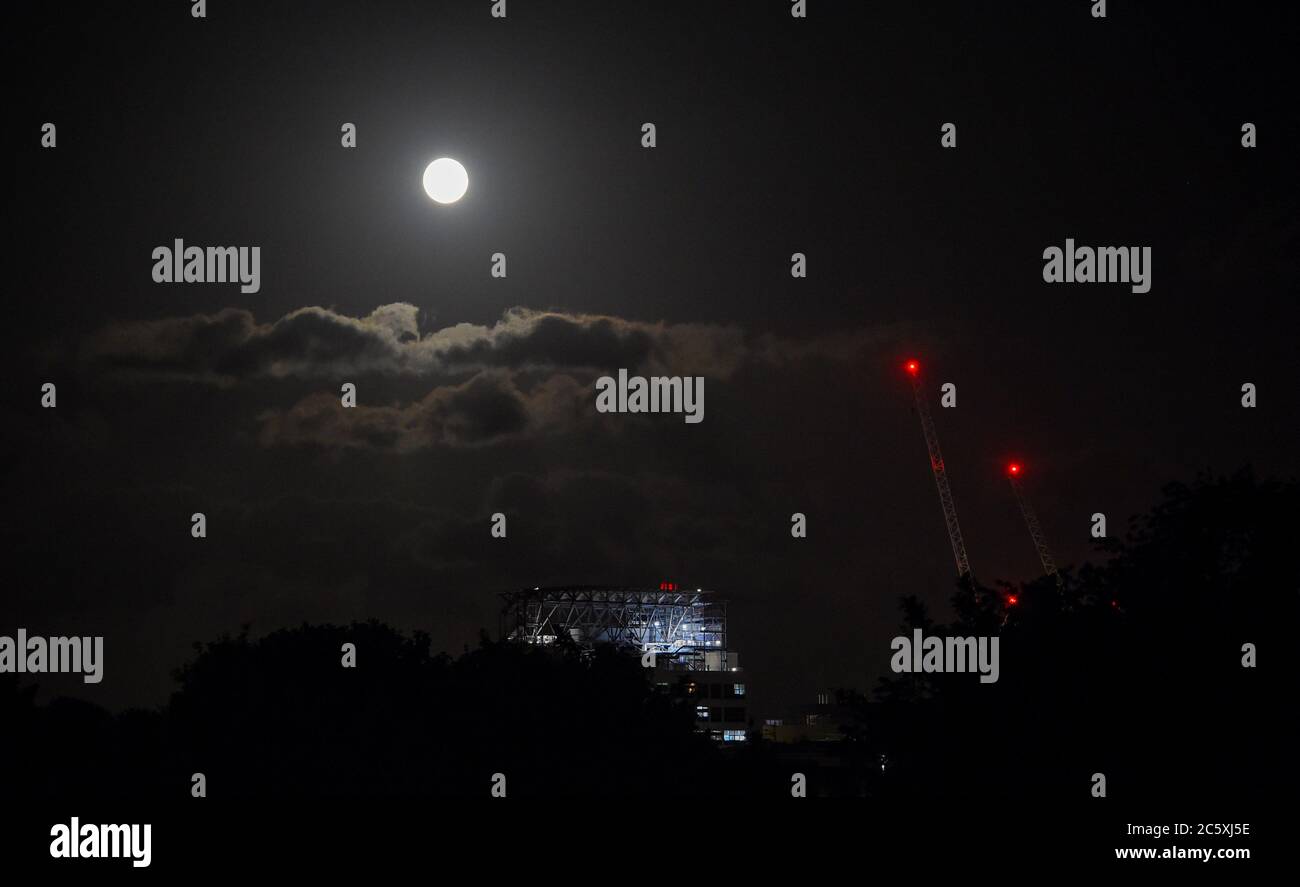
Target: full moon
pixel 445 180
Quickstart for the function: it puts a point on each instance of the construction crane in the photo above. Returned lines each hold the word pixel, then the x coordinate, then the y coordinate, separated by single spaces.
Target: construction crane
pixel 1014 472
pixel 913 368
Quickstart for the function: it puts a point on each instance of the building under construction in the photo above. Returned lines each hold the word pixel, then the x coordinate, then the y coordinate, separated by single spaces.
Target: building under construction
pixel 685 630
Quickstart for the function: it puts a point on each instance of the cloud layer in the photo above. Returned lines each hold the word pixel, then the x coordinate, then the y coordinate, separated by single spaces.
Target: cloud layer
pixel 316 342
pixel 531 373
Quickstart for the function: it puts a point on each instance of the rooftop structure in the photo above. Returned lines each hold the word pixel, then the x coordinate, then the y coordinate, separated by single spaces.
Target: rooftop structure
pixel 685 629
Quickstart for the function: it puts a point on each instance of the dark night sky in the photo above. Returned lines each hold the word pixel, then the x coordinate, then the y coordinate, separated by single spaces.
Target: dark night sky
pixel 775 136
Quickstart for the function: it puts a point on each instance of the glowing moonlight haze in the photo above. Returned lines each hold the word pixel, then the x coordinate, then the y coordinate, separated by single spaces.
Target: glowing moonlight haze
pixel 445 180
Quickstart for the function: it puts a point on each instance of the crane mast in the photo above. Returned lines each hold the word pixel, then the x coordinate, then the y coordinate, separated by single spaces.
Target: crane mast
pixel 940 473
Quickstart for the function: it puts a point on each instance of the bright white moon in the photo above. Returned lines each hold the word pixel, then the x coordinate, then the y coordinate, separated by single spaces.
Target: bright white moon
pixel 445 180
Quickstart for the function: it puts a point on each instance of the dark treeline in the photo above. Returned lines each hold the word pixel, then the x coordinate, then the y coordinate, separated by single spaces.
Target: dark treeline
pixel 280 716
pixel 1133 669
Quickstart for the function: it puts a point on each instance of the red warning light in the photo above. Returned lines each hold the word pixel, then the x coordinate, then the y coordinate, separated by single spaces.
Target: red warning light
pixel 1013 469
pixel 1013 599
pixel 912 367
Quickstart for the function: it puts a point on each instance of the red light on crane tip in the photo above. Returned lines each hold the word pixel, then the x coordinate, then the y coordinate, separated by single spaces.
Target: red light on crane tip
pixel 912 366
pixel 1013 600
pixel 1013 468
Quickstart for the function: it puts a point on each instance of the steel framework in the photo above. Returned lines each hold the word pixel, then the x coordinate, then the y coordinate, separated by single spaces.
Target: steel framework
pixel 1035 530
pixel 940 473
pixel 680 625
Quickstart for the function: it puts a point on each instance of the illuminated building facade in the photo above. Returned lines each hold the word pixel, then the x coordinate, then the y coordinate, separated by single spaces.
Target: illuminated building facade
pixel 685 630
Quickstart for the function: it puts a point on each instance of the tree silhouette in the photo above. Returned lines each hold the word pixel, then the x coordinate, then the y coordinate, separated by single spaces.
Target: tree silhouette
pixel 1133 669
pixel 281 716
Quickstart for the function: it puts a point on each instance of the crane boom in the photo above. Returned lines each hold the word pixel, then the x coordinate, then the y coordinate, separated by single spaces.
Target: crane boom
pixel 940 473
pixel 1035 529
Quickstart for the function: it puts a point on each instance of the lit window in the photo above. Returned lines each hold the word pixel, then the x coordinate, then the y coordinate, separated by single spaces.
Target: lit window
pixel 733 735
pixel 738 690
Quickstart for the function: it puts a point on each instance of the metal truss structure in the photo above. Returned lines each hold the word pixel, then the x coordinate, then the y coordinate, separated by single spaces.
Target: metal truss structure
pixel 681 626
pixel 940 472
pixel 1035 530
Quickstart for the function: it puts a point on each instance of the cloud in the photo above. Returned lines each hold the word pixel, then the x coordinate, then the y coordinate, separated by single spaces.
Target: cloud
pixel 316 342
pixel 488 408
pixel 529 374
pixel 231 345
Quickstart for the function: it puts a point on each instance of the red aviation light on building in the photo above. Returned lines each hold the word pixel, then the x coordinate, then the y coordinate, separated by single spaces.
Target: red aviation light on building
pixel 667 586
pixel 1014 469
pixel 1012 600
pixel 912 367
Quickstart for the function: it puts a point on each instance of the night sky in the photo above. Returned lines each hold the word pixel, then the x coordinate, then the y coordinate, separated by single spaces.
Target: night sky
pixel 476 394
